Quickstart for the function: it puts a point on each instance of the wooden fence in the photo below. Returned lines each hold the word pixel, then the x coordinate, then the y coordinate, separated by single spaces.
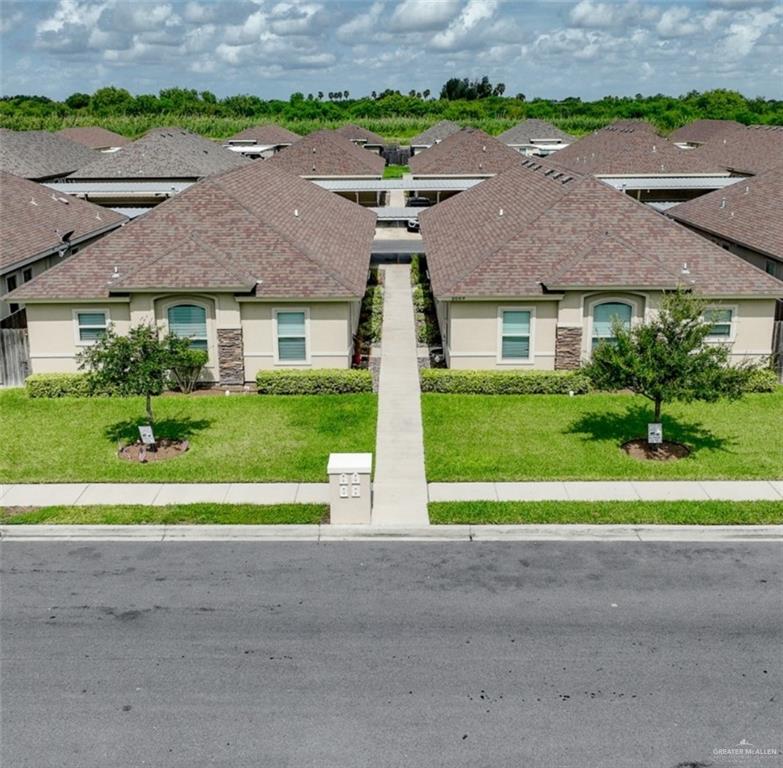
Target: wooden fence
pixel 14 357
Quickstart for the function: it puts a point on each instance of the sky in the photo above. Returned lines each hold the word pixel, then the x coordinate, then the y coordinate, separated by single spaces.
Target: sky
pixel 271 48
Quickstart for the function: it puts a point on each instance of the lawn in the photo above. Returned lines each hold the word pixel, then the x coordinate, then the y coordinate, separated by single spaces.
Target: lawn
pixel 175 514
pixel 395 171
pixel 249 438
pixel 556 437
pixel 607 512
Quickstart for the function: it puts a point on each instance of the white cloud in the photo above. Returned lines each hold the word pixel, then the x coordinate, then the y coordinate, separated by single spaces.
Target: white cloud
pixel 7 23
pixel 423 15
pixel 676 22
pixel 464 27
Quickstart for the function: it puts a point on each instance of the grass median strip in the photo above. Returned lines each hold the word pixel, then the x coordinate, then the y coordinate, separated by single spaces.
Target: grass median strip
pixel 175 514
pixel 607 512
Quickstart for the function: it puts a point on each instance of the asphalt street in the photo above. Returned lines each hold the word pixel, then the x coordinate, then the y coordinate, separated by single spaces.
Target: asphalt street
pixel 552 654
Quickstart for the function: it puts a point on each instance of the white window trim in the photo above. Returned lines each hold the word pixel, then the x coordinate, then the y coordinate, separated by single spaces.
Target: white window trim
pixel 191 304
pixel 635 304
pixel 531 358
pixel 275 349
pixel 162 317
pixel 733 325
pixel 84 310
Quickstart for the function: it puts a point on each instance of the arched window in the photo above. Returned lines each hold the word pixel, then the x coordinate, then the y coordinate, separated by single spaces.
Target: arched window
pixel 190 322
pixel 604 316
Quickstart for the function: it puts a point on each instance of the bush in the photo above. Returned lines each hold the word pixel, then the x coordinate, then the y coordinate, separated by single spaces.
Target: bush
pixel 61 385
pixel 371 315
pixel 323 381
pixel 448 381
pixel 762 380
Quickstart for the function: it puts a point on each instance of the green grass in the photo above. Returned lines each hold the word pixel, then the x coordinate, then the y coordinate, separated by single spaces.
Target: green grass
pixel 175 514
pixel 607 512
pixel 547 437
pixel 249 438
pixel 395 171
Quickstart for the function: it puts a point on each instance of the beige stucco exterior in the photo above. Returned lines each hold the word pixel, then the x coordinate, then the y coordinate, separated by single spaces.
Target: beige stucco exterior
pixel 54 342
pixel 471 330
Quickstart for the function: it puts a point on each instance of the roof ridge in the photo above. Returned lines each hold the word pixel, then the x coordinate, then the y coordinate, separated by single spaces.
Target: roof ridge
pixel 305 251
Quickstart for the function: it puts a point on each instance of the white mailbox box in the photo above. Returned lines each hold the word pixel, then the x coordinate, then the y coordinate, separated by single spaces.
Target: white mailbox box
pixel 349 488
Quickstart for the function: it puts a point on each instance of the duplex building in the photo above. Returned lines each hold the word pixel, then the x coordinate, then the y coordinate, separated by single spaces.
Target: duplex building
pixel 433 135
pixel 262 140
pixel 256 266
pixel 41 155
pixel 95 137
pixel 536 137
pixel 362 137
pixel 530 268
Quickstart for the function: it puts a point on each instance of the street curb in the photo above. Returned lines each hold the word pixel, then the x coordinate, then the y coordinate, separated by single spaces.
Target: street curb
pixel 433 533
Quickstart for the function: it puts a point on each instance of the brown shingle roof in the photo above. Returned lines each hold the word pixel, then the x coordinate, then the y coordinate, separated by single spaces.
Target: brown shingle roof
pixel 435 133
pixel 256 223
pixel 469 152
pixel 700 131
pixel 357 133
pixel 530 130
pixel 94 137
pixel 326 153
pixel 525 232
pixel 749 213
pixel 33 219
pixel 41 155
pixel 745 149
pixel 628 148
pixel 268 134
pixel 163 153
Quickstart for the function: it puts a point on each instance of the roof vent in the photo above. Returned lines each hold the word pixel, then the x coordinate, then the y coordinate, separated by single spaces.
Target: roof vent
pixel 747 189
pixel 296 213
pixel 313 150
pixel 723 202
pixel 484 148
pixel 500 212
pixel 685 270
pixel 313 167
pixel 115 275
pixel 32 201
pixel 654 148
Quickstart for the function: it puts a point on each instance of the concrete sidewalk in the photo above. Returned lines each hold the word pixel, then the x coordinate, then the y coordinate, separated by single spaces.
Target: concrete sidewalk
pixel 160 494
pixel 429 533
pixel 400 487
pixel 606 490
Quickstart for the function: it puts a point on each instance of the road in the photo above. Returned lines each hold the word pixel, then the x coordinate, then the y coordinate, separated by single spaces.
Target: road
pixel 560 655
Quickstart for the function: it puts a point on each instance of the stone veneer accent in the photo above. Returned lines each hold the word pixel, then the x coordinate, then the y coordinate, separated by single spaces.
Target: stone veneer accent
pixel 230 356
pixel 568 349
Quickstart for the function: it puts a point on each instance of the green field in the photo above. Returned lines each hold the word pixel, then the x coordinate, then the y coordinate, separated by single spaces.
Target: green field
pixel 556 437
pixel 249 438
pixel 607 512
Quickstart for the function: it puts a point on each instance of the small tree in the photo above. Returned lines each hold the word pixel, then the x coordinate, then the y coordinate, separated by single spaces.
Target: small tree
pixel 140 363
pixel 669 358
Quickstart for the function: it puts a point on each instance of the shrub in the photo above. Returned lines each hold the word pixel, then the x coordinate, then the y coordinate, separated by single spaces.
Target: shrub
pixel 762 380
pixel 320 381
pixel 371 315
pixel 61 385
pixel 448 381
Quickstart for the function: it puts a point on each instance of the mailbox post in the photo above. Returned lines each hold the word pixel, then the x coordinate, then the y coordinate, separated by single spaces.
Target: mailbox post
pixel 349 488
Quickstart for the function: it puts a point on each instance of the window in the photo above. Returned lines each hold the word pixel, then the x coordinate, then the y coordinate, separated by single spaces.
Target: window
pixel 190 322
pixel 721 323
pixel 27 275
pixel 515 335
pixel 604 316
pixel 291 337
pixel 91 325
pixel 770 267
pixel 10 283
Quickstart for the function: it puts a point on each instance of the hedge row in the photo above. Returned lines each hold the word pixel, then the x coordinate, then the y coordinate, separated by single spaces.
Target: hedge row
pixel 318 381
pixel 763 380
pixel 61 385
pixel 453 382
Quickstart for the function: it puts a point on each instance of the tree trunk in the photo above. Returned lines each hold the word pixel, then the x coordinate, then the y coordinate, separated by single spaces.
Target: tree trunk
pixel 657 411
pixel 149 408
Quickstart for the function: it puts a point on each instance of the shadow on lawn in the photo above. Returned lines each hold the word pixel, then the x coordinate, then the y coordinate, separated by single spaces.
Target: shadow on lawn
pixel 632 423
pixel 173 429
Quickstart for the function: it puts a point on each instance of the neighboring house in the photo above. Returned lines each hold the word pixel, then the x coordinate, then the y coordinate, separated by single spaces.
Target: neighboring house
pixel 746 150
pixel 262 140
pixel 529 268
pixel 701 131
pixel 151 169
pixel 95 137
pixel 329 155
pixel 536 137
pixel 362 137
pixel 41 155
pixel 39 228
pixel 256 266
pixel 433 135
pixel 746 219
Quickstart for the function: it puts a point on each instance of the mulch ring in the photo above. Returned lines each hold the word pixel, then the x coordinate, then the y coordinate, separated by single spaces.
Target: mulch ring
pixel 665 451
pixel 166 449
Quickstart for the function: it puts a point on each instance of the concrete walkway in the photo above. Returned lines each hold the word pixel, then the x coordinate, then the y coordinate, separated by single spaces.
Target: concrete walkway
pixel 606 490
pixel 400 488
pixel 160 494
